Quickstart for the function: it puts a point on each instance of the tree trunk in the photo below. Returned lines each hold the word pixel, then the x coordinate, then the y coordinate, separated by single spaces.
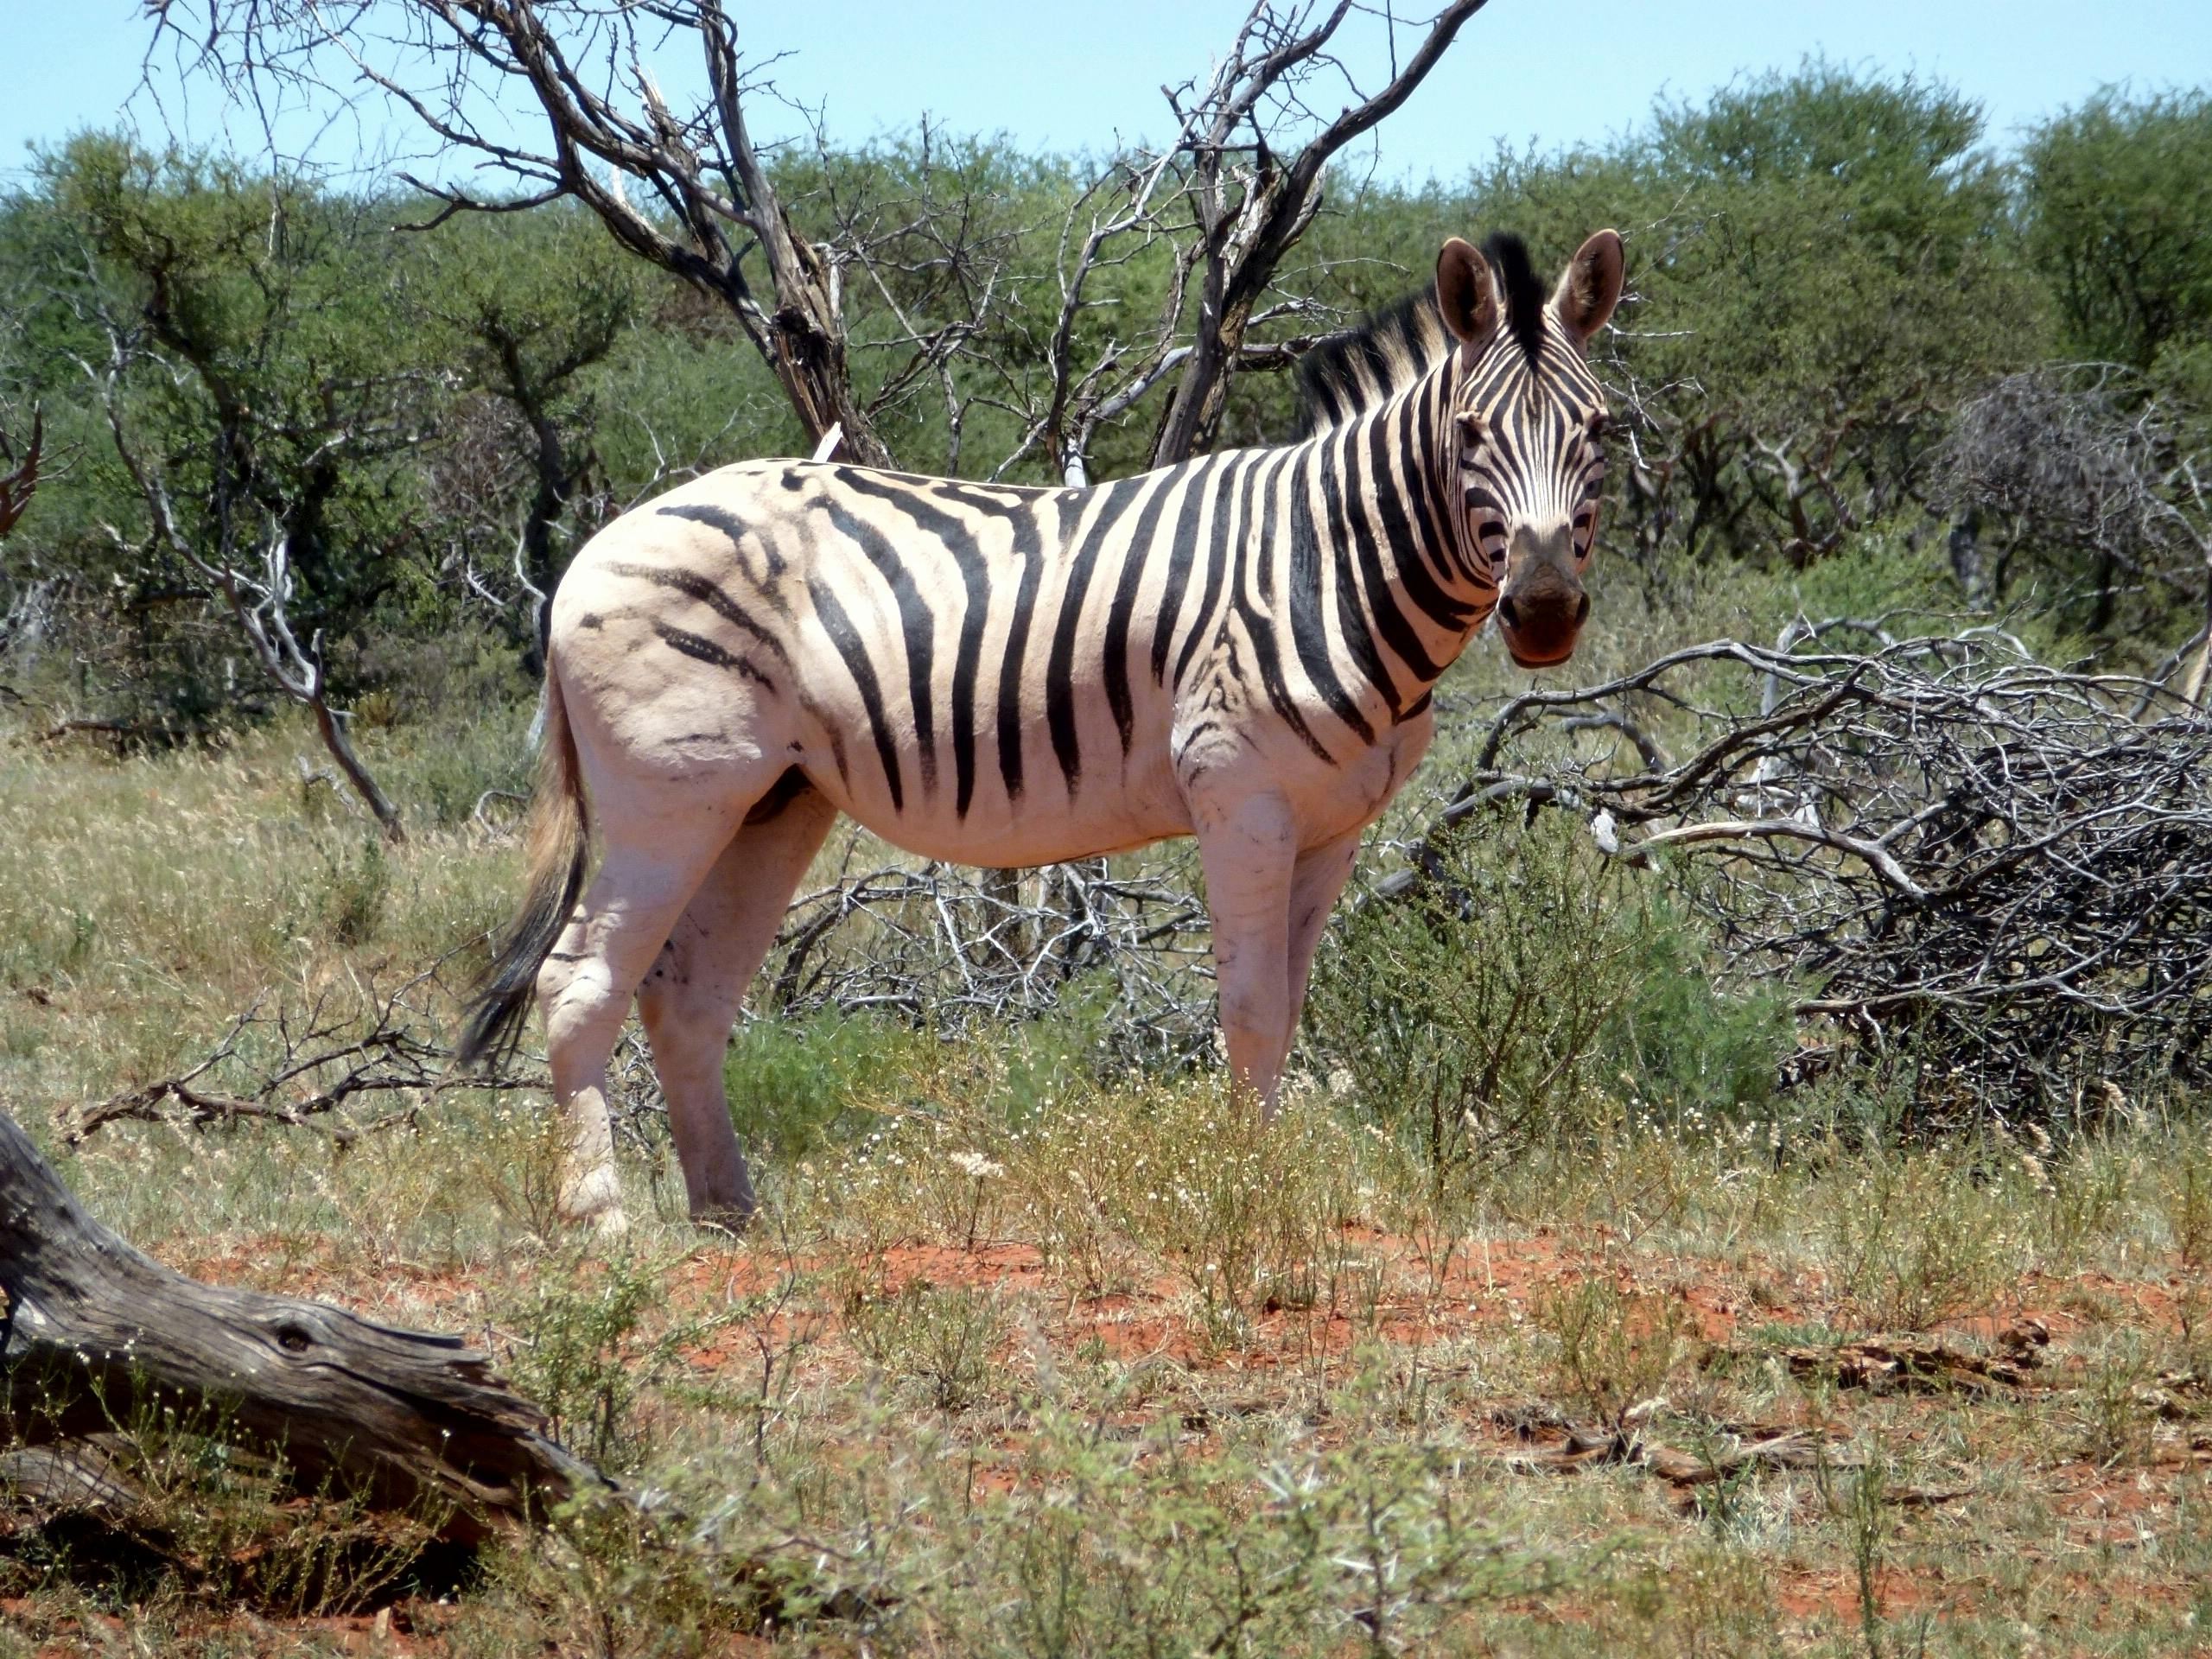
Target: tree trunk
pixel 92 1333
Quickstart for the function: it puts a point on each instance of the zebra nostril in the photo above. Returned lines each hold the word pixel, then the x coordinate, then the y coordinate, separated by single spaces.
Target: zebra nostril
pixel 1582 610
pixel 1508 614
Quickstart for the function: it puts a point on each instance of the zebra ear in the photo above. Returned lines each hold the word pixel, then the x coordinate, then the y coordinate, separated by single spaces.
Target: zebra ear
pixel 1590 287
pixel 1465 294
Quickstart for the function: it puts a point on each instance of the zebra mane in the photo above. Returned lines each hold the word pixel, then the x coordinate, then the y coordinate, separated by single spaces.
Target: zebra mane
pixel 1368 364
pixel 1348 373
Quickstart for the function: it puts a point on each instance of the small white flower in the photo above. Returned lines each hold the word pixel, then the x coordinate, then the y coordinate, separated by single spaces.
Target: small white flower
pixel 975 1164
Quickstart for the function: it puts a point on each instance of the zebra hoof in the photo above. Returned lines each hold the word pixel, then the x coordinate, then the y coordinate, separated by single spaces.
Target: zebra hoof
pixel 593 1198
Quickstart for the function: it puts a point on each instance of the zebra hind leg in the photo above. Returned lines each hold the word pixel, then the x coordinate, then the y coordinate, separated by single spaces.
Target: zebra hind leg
pixel 691 998
pixel 659 847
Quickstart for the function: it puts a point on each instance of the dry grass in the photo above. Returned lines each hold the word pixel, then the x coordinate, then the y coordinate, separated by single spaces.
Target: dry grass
pixel 1032 1363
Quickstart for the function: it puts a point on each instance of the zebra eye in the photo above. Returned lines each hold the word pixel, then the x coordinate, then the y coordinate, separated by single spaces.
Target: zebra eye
pixel 1472 429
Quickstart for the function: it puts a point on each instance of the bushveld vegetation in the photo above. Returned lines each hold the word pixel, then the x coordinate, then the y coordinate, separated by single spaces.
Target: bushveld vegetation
pixel 1631 1270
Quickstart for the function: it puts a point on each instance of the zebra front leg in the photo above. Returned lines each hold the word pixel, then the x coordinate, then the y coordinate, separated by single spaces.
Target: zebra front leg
pixel 1317 882
pixel 1248 850
pixel 691 999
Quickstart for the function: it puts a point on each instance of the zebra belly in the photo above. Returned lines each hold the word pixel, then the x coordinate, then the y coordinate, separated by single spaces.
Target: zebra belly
pixel 1057 839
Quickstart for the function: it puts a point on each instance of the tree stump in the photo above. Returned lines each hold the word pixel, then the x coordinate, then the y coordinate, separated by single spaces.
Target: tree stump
pixel 92 1333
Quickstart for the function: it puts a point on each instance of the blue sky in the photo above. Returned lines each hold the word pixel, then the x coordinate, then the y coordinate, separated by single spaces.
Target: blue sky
pixel 1072 76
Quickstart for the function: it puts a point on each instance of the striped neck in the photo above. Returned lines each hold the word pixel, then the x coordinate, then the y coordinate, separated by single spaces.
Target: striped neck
pixel 1409 579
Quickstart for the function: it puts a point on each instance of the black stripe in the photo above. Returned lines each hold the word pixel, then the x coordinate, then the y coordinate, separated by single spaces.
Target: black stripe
pixel 692 585
pixel 1406 552
pixel 1059 666
pixel 1260 540
pixel 916 625
pixel 706 651
pixel 1028 544
pixel 1309 633
pixel 959 541
pixel 730 526
pixel 839 627
pixel 1227 487
pixel 1003 500
pixel 1423 466
pixel 1135 559
pixel 1261 632
pixel 929 481
pixel 1351 621
pixel 1397 630
pixel 1440 528
pixel 1195 497
pixel 1259 629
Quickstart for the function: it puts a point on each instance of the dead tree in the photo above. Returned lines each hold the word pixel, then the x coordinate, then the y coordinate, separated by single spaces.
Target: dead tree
pixel 2081 460
pixel 1228 195
pixel 688 188
pixel 1251 204
pixel 93 1334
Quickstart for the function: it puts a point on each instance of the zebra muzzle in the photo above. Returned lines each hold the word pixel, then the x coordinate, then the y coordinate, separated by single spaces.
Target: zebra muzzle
pixel 1541 616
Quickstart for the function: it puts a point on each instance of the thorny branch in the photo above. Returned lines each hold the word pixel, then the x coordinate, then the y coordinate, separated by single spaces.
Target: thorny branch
pixel 356 1043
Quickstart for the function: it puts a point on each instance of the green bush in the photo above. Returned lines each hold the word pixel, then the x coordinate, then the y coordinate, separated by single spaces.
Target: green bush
pixel 798 1085
pixel 1690 1046
pixel 1531 974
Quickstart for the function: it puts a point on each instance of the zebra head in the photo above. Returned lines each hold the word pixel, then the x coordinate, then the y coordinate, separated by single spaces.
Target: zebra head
pixel 1528 416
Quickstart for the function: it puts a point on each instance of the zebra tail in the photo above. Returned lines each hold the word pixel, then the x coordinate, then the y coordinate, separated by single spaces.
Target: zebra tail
pixel 556 843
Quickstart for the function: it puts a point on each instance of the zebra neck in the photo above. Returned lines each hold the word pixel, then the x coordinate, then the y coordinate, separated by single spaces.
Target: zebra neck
pixel 1404 580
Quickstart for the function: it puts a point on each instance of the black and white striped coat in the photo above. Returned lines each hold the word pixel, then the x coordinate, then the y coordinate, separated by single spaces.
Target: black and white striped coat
pixel 1240 648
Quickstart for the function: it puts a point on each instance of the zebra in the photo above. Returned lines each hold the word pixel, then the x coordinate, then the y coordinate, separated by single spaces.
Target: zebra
pixel 1239 647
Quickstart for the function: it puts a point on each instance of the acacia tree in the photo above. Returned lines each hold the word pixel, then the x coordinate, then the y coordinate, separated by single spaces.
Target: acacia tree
pixel 252 413
pixel 523 308
pixel 2115 195
pixel 684 184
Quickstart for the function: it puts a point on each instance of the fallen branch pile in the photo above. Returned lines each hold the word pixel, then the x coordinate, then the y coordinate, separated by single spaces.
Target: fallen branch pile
pixel 962 947
pixel 1940 839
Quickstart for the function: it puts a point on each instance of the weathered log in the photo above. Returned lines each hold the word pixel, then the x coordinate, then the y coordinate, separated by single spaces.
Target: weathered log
pixel 93 1334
